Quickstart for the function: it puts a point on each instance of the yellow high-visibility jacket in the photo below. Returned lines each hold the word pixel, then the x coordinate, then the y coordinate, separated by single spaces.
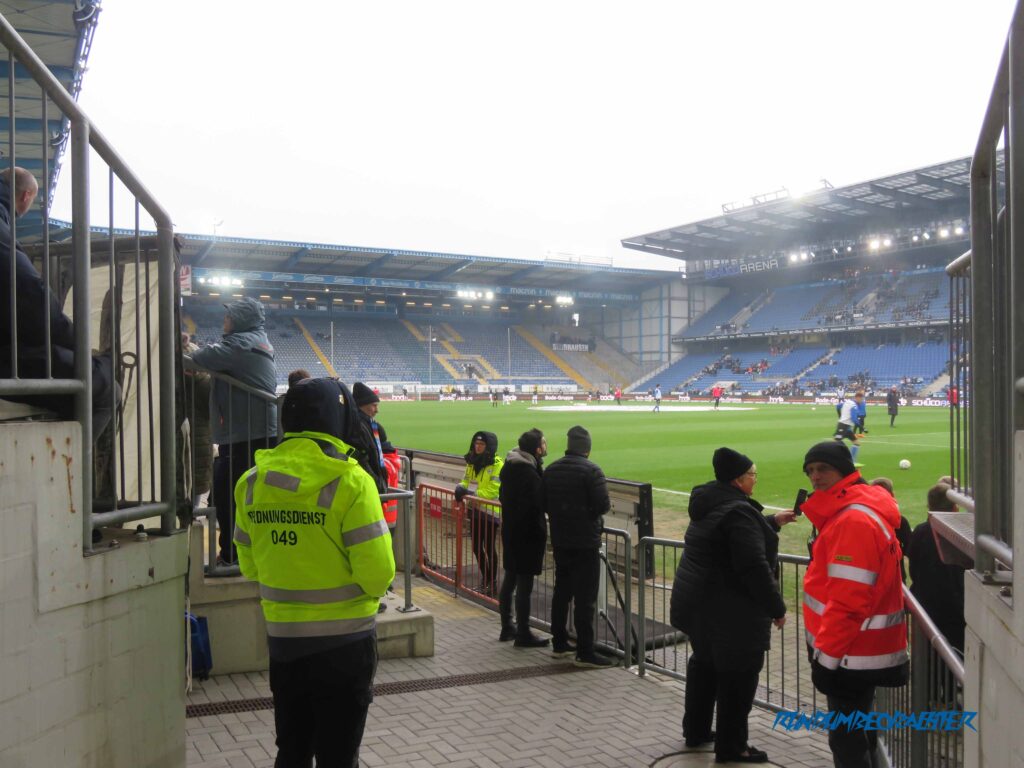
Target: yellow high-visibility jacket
pixel 487 483
pixel 309 528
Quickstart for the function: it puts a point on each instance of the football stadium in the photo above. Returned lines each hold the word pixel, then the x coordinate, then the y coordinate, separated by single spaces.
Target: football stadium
pixel 269 500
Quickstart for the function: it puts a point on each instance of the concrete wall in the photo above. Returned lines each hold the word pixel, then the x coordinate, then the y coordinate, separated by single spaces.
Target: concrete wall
pixel 91 648
pixel 994 659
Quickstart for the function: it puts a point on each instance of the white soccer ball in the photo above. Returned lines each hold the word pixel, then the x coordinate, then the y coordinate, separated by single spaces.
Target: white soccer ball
pixel 814 407
pixel 904 463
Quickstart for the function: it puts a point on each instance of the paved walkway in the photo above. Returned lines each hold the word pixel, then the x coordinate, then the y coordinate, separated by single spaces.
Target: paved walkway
pixel 485 704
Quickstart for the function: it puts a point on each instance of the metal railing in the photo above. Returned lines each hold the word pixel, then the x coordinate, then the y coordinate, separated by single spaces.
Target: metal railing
pixel 785 680
pixel 137 494
pixel 453 535
pixel 937 670
pixel 987 293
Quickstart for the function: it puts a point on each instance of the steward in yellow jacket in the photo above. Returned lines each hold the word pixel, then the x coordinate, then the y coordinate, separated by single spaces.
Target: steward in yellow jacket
pixel 310 530
pixel 483 480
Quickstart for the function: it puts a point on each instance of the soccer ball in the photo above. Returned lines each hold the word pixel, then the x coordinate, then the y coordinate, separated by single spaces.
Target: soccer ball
pixel 904 463
pixel 814 407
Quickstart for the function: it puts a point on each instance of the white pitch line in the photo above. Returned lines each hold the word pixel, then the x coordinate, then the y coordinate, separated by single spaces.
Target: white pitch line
pixel 887 441
pixel 687 493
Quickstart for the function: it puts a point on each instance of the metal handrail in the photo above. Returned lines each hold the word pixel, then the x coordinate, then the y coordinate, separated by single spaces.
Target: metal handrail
pixel 995 547
pixel 191 365
pixel 83 135
pixel 934 635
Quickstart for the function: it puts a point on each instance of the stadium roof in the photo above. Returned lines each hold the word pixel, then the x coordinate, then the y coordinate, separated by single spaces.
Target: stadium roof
pixel 60 32
pixel 779 220
pixel 232 253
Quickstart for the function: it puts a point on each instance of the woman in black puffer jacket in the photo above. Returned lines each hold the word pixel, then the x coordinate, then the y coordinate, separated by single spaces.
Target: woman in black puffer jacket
pixel 725 598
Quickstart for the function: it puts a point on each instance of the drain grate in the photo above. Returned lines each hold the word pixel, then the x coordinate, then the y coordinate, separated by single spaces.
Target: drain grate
pixel 389 689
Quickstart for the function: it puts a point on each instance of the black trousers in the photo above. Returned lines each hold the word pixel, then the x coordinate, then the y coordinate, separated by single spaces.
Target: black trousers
pixel 577 572
pixel 233 460
pixel 721 679
pixel 521 584
pixel 484 527
pixel 320 705
pixel 854 748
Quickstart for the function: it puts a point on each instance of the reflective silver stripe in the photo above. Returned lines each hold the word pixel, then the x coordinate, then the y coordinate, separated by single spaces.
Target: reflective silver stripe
pixel 809 637
pixel 241 537
pixel 365 533
pixel 282 481
pixel 815 605
pixel 327 493
pixel 883 620
pixel 250 485
pixel 332 595
pixel 874 516
pixel 884 661
pixel 852 573
pixel 829 662
pixel 320 628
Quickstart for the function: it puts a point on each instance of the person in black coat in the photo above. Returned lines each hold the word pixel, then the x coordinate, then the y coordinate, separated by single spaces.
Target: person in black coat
pixel 575 499
pixel 725 598
pixel 937 586
pixel 524 534
pixel 892 404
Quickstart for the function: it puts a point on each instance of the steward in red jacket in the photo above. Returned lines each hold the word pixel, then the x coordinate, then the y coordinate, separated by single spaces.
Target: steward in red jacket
pixel 853 594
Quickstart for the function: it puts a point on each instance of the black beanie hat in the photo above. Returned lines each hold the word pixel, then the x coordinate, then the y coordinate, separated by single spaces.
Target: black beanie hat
pixel 318 405
pixel 833 453
pixel 579 441
pixel 363 395
pixel 530 441
pixel 729 464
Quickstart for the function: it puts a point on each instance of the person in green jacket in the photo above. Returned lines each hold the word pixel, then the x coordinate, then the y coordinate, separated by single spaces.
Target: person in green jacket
pixel 483 480
pixel 309 528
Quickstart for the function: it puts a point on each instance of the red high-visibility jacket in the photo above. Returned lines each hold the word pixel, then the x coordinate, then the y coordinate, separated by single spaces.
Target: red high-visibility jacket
pixel 853 594
pixel 391 466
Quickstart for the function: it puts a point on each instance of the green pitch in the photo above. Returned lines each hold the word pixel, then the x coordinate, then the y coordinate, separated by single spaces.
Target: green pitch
pixel 672 449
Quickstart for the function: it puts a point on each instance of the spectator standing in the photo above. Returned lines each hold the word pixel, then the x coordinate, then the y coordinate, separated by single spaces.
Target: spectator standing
pixel 725 597
pixel 937 586
pixel 618 395
pixel 575 499
pixel 197 410
pixel 483 480
pixel 321 590
pixel 34 303
pixel 853 595
pixel 716 393
pixel 242 422
pixel 524 534
pixel 296 376
pixel 657 398
pixel 373 434
pixel 892 404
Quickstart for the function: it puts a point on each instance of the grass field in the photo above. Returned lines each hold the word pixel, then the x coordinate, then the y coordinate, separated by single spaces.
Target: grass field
pixel 672 449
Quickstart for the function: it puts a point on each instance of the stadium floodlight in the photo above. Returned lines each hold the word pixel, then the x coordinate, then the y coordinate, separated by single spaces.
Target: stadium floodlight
pixel 215 294
pixel 235 281
pixel 887 242
pixel 504 309
pixel 447 306
pixel 944 232
pixel 793 257
pixel 486 306
pixel 236 295
pixel 202 280
pixel 380 301
pixel 428 304
pixel 311 298
pixel 286 298
pixel 410 303
pixel 264 296
pixel 803 255
pixel 915 238
pixel 849 248
pixel 958 231
pixel 358 301
pixel 467 306
pixel 339 301
pixel 489 295
pixel 564 301
pixel 835 251
pixel 873 245
pixel 532 306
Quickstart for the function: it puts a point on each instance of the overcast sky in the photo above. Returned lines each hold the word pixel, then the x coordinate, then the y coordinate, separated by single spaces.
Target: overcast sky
pixel 531 128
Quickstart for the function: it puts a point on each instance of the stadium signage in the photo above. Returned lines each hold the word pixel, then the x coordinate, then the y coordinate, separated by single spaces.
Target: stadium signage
pixel 759 266
pixel 374 282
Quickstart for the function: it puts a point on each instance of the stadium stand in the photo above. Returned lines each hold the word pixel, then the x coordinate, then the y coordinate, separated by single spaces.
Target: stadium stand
pixel 675 375
pixel 884 366
pixel 712 321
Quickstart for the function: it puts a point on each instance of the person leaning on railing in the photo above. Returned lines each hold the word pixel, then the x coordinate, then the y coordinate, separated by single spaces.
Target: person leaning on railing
pixel 241 422
pixel 483 480
pixel 34 303
pixel 310 530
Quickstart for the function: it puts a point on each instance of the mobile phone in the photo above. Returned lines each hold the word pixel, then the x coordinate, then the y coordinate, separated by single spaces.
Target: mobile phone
pixel 801 497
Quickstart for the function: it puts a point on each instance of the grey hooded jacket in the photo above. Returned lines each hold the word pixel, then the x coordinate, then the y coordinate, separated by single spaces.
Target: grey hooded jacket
pixel 247 355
